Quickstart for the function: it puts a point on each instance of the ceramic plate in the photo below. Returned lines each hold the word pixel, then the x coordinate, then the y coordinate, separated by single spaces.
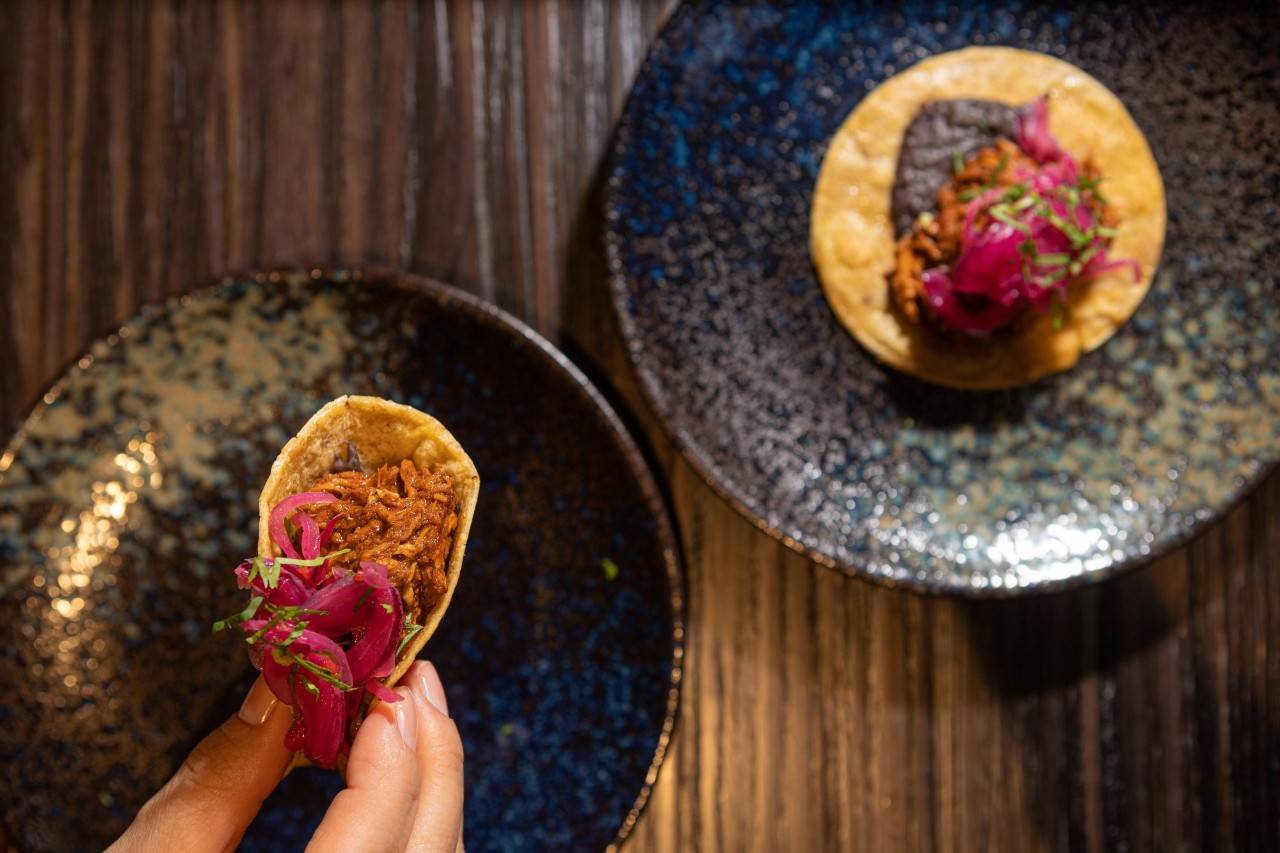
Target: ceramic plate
pixel 1122 457
pixel 131 491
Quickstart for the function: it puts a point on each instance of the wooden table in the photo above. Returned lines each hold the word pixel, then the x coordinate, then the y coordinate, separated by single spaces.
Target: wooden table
pixel 145 148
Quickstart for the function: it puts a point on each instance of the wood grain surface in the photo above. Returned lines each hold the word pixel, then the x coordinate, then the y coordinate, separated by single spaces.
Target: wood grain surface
pixel 145 147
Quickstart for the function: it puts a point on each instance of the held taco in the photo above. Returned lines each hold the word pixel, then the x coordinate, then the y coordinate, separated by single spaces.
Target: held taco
pixel 363 524
pixel 985 217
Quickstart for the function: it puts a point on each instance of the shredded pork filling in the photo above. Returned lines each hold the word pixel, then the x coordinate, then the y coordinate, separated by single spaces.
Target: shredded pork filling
pixel 400 516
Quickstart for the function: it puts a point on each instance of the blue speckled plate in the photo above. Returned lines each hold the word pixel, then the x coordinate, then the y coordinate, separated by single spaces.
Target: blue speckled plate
pixel 130 492
pixel 1067 480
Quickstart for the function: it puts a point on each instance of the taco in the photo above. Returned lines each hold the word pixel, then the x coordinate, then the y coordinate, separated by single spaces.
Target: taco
pixel 363 524
pixel 986 217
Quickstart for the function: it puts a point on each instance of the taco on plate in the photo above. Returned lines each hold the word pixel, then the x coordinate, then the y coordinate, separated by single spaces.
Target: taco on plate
pixel 986 217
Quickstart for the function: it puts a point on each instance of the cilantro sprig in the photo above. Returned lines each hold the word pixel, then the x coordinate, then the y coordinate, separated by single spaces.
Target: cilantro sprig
pixel 243 616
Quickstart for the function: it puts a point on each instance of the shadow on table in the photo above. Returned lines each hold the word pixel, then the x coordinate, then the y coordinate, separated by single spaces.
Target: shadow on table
pixel 1099 710
pixel 1044 643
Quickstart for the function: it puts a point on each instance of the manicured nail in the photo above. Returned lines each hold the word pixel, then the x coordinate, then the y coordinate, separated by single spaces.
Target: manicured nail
pixel 258 704
pixel 406 721
pixel 427 683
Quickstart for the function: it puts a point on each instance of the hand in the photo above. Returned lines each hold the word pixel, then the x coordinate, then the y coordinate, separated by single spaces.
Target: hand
pixel 404 780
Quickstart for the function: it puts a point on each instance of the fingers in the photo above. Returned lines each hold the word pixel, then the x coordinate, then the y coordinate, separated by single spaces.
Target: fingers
pixel 376 810
pixel 404 780
pixel 219 788
pixel 404 777
pixel 437 827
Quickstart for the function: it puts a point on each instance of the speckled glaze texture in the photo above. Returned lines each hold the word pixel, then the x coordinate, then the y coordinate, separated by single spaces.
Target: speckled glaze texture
pixel 130 492
pixel 1066 480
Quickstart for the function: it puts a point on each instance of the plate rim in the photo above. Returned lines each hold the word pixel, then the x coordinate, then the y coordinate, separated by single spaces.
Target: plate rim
pixel 724 485
pixel 486 312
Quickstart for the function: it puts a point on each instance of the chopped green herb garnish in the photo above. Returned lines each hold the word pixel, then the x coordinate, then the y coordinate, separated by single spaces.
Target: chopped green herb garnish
pixel 1077 237
pixel 231 621
pixel 364 597
pixel 293 611
pixel 1053 278
pixel 387 607
pixel 1001 213
pixel 410 631
pixel 270 572
pixel 1088 184
pixel 276 619
pixel 294 634
pixel 284 614
pixel 314 561
pixel 1053 259
pixel 316 669
pixel 610 569
pixel 957 162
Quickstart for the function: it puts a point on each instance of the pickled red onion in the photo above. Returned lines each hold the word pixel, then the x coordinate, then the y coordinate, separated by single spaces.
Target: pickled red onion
pixel 304 616
pixel 282 510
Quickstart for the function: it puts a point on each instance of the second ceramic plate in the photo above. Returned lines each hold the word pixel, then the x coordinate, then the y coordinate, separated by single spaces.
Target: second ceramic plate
pixel 1064 481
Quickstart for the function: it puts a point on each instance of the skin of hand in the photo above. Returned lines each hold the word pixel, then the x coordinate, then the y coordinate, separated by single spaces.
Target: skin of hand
pixel 404 780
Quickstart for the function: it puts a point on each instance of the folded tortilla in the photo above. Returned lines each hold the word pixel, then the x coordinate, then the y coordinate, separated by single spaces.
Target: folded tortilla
pixel 852 233
pixel 375 432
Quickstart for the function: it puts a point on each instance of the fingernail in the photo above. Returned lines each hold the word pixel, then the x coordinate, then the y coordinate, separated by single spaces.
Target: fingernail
pixel 258 704
pixel 406 722
pixel 427 684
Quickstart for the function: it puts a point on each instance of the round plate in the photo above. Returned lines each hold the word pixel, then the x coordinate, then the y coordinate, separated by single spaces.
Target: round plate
pixel 1069 479
pixel 131 491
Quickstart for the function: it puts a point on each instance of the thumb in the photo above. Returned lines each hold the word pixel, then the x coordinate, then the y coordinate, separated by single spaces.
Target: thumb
pixel 219 788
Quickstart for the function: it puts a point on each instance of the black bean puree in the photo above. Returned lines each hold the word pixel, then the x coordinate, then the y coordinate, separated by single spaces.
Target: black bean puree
pixel 929 146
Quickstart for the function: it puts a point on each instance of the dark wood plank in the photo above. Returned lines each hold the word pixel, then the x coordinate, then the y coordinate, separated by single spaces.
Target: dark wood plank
pixel 150 145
